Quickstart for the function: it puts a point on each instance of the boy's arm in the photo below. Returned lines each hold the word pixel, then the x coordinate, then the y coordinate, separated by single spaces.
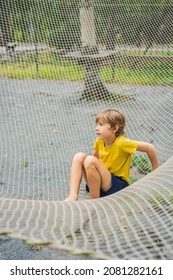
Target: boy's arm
pixel 151 152
pixel 95 153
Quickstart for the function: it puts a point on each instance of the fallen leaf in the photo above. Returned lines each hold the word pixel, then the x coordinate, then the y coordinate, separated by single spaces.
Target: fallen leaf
pixel 122 217
pixel 137 237
pixel 123 229
pixel 55 130
pixel 89 234
pixel 39 248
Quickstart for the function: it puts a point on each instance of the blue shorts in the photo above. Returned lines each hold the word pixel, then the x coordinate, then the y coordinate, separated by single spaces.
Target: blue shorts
pixel 117 184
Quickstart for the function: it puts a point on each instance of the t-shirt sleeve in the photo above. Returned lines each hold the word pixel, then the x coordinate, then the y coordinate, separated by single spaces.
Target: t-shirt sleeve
pixel 129 146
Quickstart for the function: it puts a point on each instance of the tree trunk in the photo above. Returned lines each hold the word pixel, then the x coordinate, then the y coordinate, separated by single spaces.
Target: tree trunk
pixel 94 88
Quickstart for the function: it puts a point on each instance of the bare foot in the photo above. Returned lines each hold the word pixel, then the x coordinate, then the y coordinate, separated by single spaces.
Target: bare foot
pixel 70 198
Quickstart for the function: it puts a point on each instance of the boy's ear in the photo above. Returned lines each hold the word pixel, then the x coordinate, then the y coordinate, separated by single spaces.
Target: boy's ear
pixel 116 127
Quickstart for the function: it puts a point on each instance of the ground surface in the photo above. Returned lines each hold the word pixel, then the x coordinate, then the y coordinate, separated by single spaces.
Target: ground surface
pixel 43 123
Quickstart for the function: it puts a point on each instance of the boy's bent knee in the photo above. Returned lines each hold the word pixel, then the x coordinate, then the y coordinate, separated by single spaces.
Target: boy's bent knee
pixel 90 161
pixel 79 157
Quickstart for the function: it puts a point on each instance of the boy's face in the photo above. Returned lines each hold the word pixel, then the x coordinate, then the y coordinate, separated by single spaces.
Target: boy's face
pixel 104 130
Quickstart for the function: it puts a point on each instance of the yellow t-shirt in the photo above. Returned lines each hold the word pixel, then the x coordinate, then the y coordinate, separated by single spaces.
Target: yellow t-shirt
pixel 117 157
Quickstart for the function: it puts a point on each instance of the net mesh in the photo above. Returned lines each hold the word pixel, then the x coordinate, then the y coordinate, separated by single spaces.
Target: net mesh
pixel 62 62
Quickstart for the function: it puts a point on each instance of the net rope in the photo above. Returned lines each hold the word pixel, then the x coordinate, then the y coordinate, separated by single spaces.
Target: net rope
pixel 61 63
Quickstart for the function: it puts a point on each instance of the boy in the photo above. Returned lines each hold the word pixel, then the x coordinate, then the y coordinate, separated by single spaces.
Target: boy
pixel 106 171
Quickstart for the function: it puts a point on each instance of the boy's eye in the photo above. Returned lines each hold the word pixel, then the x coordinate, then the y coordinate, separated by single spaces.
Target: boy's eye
pixel 100 123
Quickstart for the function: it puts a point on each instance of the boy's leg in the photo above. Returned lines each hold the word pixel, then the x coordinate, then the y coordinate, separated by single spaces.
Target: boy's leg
pixel 97 176
pixel 76 176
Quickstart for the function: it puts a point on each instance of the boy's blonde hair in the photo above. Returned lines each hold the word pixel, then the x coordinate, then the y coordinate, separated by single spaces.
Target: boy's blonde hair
pixel 113 117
